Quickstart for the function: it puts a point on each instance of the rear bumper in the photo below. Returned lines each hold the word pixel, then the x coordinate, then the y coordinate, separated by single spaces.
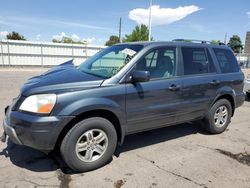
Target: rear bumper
pixel 39 132
pixel 239 99
pixel 247 86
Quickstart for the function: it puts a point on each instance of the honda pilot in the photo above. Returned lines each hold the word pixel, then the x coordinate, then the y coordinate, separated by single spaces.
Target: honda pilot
pixel 87 110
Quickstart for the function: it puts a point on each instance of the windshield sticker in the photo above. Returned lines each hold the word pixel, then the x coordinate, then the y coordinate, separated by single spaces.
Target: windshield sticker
pixel 128 51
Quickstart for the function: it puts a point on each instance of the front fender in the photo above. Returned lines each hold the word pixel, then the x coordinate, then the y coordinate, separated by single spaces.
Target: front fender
pixel 88 104
pixel 80 106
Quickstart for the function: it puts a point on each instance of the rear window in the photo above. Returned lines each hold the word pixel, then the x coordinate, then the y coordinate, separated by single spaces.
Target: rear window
pixel 227 60
pixel 197 61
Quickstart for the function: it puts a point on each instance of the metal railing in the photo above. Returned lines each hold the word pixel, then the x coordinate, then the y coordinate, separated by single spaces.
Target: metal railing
pixel 15 52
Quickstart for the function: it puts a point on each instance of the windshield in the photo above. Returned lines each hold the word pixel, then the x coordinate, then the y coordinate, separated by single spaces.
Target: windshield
pixel 110 60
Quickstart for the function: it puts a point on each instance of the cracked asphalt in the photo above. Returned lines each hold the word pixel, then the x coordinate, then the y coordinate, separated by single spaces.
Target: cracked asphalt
pixel 176 156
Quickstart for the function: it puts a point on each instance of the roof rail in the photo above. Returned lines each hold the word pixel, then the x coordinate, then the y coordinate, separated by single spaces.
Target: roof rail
pixel 197 41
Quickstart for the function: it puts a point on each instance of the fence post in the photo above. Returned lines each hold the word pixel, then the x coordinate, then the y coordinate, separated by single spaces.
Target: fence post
pixel 86 54
pixel 2 51
pixel 8 51
pixel 42 54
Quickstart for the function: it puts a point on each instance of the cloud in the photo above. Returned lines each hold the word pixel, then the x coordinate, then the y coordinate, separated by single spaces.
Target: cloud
pixel 161 16
pixel 9 23
pixel 38 37
pixel 89 40
pixel 19 21
pixel 74 37
pixel 60 36
pixel 248 14
pixel 80 25
pixel 3 34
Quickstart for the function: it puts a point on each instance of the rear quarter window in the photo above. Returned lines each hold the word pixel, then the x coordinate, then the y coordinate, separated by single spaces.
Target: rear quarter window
pixel 197 61
pixel 227 61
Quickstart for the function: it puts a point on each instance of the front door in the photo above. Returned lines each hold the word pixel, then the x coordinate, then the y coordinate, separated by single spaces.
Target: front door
pixel 157 102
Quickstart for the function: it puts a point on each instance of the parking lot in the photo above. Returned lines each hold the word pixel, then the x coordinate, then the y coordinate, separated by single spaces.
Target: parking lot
pixel 177 156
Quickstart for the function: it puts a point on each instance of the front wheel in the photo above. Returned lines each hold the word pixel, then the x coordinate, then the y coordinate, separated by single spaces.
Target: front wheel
pixel 218 117
pixel 90 144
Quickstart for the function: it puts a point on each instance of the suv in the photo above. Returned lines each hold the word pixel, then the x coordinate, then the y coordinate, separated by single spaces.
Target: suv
pixel 87 110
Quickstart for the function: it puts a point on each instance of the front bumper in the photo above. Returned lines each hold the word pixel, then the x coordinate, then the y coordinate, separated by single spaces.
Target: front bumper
pixel 39 132
pixel 10 131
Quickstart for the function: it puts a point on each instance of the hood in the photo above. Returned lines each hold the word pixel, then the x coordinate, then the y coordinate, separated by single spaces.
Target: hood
pixel 62 77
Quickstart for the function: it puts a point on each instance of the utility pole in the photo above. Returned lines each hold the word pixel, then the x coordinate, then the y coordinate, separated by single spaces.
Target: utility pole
pixel 225 39
pixel 120 29
pixel 149 21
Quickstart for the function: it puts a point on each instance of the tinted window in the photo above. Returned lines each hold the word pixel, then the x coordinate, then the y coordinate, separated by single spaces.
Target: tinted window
pixel 161 63
pixel 227 60
pixel 196 61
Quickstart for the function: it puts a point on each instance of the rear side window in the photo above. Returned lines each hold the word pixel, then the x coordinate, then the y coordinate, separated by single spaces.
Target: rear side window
pixel 227 60
pixel 196 61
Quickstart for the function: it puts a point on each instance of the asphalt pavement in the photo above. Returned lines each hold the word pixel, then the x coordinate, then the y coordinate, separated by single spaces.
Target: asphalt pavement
pixel 176 156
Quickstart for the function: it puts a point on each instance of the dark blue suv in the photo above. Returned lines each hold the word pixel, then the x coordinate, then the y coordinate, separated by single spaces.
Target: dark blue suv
pixel 126 88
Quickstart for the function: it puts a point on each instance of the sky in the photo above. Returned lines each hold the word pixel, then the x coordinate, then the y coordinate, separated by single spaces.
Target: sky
pixel 95 20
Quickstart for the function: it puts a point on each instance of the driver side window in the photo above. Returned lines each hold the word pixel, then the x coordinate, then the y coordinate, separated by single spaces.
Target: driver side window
pixel 161 63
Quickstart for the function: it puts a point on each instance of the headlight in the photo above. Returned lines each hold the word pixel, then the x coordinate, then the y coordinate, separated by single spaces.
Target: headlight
pixel 42 103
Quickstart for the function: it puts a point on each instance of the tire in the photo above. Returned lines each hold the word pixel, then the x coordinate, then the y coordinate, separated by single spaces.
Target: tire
pixel 214 123
pixel 248 95
pixel 78 143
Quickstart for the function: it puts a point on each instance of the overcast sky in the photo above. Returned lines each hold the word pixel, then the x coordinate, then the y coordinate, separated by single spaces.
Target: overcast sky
pixel 96 20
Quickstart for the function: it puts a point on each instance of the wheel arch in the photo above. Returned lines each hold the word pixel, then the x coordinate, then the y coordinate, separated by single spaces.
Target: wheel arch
pixel 229 97
pixel 104 113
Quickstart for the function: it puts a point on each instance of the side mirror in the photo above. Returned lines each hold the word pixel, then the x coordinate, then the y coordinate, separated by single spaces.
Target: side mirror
pixel 140 76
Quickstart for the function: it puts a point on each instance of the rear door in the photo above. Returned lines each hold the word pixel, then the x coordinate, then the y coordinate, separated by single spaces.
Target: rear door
pixel 230 74
pixel 157 102
pixel 200 82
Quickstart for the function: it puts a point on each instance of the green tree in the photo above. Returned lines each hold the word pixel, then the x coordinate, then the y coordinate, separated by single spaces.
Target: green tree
pixel 140 33
pixel 68 40
pixel 215 41
pixel 15 36
pixel 235 44
pixel 112 40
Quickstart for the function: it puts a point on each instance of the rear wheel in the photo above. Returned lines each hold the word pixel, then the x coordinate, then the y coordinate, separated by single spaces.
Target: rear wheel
pixel 248 95
pixel 218 117
pixel 90 144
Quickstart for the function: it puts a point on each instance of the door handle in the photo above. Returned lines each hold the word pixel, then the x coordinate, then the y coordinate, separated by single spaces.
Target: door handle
pixel 215 82
pixel 174 87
